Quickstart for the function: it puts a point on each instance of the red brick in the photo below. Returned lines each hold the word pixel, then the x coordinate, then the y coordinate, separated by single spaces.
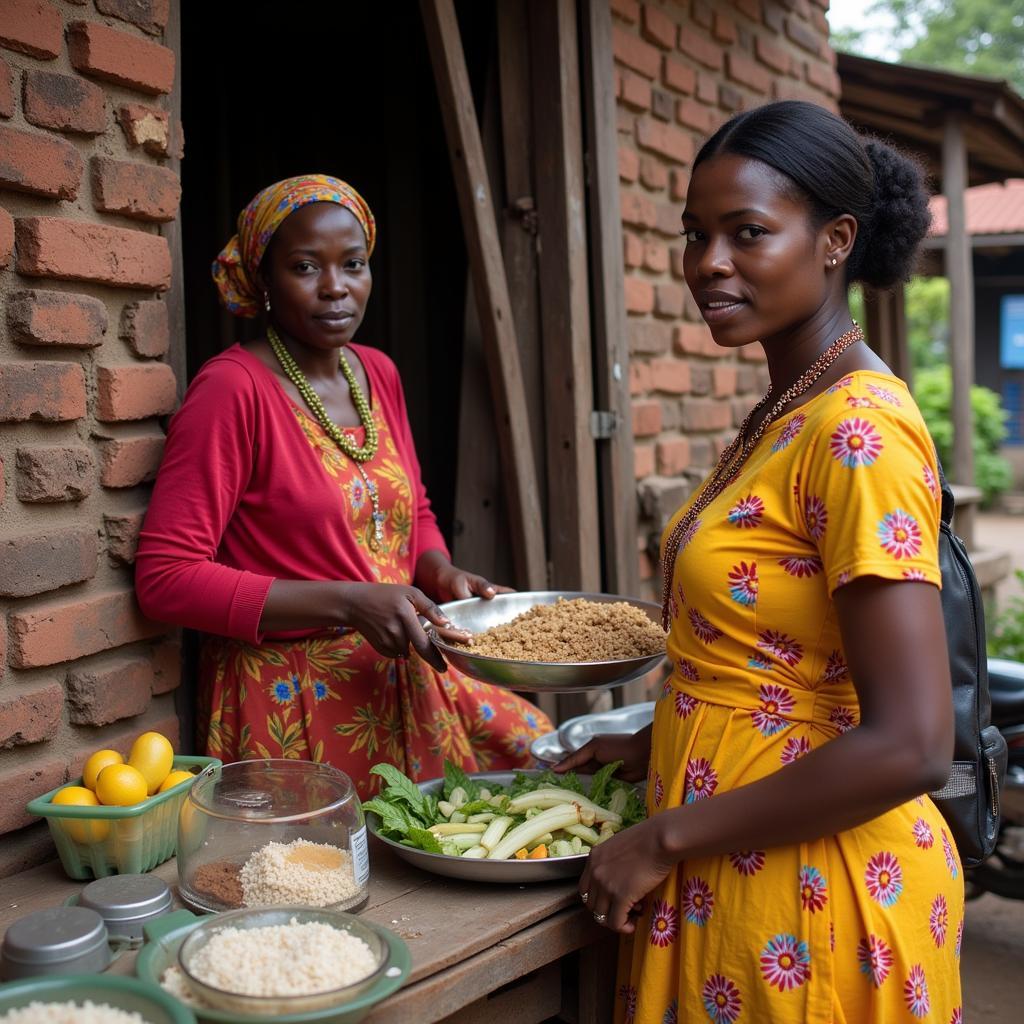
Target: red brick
pixel 639 295
pixel 65 630
pixel 629 164
pixel 65 103
pixel 694 340
pixel 636 91
pixel 637 210
pixel 701 14
pixel 667 219
pixel 134 392
pixel 724 29
pixel 706 414
pixel 646 419
pixel 634 53
pixel 666 140
pixel 79 251
pixel 114 56
pixel 693 115
pixel 753 353
pixel 774 56
pixel 730 98
pixel 34 563
pixel 135 190
pixel 671 376
pixel 127 462
pixel 145 328
pixel 707 88
pixel 25 783
pixel 668 301
pixel 679 76
pixel 32 27
pixel 41 391
pixel 122 530
pixel 632 250
pixel 643 460
pixel 56 318
pixel 639 377
pixel 676 264
pixel 787 89
pixel 743 70
pixel 656 257
pixel 149 15
pixel 822 77
pixel 700 379
pixel 6 237
pixel 166 667
pixel 673 456
pixel 49 473
pixel 649 337
pixel 679 182
pixel 658 28
pixel 39 165
pixel 6 89
pixel 751 8
pixel 105 693
pixel 724 381
pixel 653 173
pixel 31 716
pixel 147 127
pixel 774 17
pixel 804 36
pixel 627 10
pixel 702 50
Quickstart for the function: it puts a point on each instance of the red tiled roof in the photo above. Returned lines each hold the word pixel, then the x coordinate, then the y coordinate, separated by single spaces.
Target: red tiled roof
pixel 996 209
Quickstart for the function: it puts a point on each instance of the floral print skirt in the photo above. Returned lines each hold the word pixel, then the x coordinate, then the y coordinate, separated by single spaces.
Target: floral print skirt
pixel 335 699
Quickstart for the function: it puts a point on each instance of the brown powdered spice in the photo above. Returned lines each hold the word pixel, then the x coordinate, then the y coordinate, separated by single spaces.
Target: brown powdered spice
pixel 219 880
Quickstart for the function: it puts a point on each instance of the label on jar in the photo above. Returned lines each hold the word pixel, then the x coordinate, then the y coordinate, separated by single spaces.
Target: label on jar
pixel 360 857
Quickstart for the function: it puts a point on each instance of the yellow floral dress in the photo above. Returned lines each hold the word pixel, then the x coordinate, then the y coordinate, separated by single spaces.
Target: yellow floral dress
pixel 863 926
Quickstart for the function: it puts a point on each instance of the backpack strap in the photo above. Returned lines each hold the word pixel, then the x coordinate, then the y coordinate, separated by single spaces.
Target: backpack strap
pixel 948 503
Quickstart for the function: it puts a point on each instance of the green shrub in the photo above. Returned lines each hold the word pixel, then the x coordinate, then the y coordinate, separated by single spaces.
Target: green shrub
pixel 1006 635
pixel 933 389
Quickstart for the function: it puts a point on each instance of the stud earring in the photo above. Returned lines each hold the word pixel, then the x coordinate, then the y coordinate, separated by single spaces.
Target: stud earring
pixel 834 262
pixel 266 299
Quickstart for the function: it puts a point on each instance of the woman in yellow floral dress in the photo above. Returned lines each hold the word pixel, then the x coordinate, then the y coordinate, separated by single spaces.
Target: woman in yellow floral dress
pixel 289 522
pixel 792 868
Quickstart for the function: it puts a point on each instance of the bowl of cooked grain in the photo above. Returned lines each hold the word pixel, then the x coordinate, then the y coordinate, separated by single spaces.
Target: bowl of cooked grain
pixel 552 641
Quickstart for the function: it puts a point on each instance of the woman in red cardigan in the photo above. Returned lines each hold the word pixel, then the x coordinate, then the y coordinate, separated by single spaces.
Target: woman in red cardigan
pixel 290 523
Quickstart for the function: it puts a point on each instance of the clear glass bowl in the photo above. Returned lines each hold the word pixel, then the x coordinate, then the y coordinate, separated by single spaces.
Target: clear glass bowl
pixel 244 831
pixel 264 1006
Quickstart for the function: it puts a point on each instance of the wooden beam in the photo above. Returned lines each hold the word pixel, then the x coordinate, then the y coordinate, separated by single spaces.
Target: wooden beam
pixel 490 289
pixel 959 270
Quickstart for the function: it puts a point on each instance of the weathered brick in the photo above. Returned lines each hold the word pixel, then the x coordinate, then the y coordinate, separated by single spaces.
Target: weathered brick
pixel 32 27
pixel 636 91
pixel 701 14
pixel 49 473
pixel 135 190
pixel 632 250
pixel 653 173
pixel 166 667
pixel 660 498
pixel 751 8
pixel 127 462
pixel 693 340
pixel 707 87
pixel 752 353
pixel 6 89
pixel 679 76
pixel 672 455
pixel 134 392
pixel 743 70
pixel 634 53
pixel 144 326
pixel 122 530
pixel 822 77
pixel 724 28
pixel 30 716
pixel 656 257
pixel 6 237
pixel 146 127
pixel 730 98
pixel 65 103
pixel 627 10
pixel 700 379
pixel 768 53
pixel 25 783
pixel 41 391
pixel 668 301
pixel 646 418
pixel 662 105
pixel 79 251
pixel 629 164
pixel 693 115
pixel 35 563
pixel 666 140
pixel 724 381
pixel 639 295
pixel 107 692
pixel 658 28
pixel 149 15
pixel 640 378
pixel 746 379
pixel 774 17
pixel 676 261
pixel 649 337
pixel 678 183
pixel 671 376
pixel 66 630
pixel 56 318
pixel 706 414
pixel 643 460
pixel 39 164
pixel 114 56
pixel 702 50
pixel 636 210
pixel 804 36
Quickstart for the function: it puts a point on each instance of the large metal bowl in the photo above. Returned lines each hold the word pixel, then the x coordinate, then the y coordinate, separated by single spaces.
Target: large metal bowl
pixel 520 871
pixel 475 615
pixel 552 747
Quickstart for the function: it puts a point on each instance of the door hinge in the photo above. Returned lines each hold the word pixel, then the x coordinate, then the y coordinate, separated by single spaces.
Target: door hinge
pixel 603 423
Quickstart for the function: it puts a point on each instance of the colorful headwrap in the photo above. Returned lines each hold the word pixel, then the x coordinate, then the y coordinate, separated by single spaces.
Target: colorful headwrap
pixel 234 270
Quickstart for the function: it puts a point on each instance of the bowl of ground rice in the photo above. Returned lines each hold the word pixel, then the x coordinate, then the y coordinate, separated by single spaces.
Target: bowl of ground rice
pixel 554 641
pixel 89 999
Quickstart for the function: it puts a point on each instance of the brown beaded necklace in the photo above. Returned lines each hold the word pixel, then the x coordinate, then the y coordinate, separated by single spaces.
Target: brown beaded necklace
pixel 732 460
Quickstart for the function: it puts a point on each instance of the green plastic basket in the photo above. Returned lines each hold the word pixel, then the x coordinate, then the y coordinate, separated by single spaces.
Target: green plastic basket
pixel 152 1004
pixel 138 837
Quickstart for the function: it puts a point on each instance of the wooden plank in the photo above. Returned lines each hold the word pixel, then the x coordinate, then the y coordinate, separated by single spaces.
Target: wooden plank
pixel 535 998
pixel 491 289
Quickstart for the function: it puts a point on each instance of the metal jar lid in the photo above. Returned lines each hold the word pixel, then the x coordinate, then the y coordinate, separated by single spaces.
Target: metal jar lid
pixel 57 940
pixel 118 898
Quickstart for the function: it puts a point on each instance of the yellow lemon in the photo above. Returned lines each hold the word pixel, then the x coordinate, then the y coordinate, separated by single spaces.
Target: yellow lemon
pixel 120 785
pixel 81 831
pixel 152 755
pixel 96 763
pixel 173 779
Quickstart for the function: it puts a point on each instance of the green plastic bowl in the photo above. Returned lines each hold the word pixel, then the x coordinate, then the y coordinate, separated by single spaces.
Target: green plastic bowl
pixel 139 838
pixel 152 1004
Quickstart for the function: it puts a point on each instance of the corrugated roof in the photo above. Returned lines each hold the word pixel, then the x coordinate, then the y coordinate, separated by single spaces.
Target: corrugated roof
pixel 996 209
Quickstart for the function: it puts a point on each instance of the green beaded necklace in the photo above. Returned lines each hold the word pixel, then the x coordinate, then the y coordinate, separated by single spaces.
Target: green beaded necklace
pixel 358 454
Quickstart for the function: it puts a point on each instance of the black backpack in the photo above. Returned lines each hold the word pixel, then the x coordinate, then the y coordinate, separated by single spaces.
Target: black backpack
pixel 970 799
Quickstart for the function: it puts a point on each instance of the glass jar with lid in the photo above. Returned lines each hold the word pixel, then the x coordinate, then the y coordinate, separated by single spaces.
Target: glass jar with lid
pixel 272 832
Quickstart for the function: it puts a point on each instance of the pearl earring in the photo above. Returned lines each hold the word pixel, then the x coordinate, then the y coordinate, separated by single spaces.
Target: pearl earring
pixel 834 262
pixel 266 299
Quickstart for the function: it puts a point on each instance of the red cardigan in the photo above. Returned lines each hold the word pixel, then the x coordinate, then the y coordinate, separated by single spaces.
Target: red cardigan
pixel 241 500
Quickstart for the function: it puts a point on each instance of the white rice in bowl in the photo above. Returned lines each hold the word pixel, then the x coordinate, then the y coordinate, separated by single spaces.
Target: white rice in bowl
pixel 86 1012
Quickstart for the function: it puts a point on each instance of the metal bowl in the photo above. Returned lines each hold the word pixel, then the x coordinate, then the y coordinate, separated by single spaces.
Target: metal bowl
pixel 520 871
pixel 475 615
pixel 574 733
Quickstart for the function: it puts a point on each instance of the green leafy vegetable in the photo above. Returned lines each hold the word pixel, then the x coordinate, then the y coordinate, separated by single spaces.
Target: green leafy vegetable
pixel 400 787
pixel 599 784
pixel 454 777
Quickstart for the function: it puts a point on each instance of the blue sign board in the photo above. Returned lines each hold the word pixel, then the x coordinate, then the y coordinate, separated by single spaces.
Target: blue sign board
pixel 1011 332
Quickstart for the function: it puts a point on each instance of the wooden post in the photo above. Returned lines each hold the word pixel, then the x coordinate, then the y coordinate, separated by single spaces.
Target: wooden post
pixel 490 289
pixel 959 270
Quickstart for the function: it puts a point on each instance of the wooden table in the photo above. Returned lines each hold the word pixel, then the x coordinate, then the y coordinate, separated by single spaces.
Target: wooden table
pixel 482 954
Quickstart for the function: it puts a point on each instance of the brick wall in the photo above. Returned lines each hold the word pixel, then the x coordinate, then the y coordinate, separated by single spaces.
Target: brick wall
pixel 84 189
pixel 682 68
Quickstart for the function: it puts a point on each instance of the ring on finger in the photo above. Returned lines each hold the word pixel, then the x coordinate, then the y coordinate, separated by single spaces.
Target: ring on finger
pixel 600 918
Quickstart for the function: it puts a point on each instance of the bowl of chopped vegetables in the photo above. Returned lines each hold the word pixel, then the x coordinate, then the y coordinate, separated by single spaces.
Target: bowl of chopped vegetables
pixel 522 826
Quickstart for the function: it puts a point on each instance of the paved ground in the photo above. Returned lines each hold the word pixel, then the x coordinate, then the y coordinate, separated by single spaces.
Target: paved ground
pixel 996 530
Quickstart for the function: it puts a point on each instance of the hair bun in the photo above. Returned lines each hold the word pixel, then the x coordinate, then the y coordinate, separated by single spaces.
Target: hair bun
pixel 900 218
